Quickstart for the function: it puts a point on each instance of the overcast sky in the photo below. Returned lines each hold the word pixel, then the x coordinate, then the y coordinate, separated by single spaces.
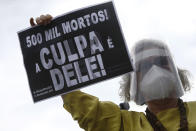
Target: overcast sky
pixel 173 21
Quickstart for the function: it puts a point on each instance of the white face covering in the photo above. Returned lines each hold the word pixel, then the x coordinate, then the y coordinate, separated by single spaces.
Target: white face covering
pixel 157 82
pixel 155 75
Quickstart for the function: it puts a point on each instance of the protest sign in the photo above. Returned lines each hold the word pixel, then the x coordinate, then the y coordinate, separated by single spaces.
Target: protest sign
pixel 76 49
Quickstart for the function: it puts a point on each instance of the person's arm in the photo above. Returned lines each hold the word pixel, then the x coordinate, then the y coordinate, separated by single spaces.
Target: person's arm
pixel 92 114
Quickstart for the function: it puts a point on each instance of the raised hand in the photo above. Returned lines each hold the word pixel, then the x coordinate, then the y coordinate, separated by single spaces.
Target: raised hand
pixel 42 20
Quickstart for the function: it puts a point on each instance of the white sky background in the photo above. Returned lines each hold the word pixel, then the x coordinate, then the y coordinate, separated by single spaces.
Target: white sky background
pixel 173 21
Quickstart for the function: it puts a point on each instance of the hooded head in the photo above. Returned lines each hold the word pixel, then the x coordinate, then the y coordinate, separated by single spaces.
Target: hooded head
pixel 155 75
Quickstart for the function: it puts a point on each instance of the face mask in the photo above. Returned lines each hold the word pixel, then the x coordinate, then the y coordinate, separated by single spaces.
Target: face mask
pixel 158 83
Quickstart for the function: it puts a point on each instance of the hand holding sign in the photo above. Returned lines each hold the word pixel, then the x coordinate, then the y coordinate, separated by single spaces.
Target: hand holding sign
pixel 42 20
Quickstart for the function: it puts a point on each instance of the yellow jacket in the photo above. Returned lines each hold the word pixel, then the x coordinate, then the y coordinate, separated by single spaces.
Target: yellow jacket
pixel 94 115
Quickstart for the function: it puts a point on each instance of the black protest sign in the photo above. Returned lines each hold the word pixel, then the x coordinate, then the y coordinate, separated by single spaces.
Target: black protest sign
pixel 75 50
